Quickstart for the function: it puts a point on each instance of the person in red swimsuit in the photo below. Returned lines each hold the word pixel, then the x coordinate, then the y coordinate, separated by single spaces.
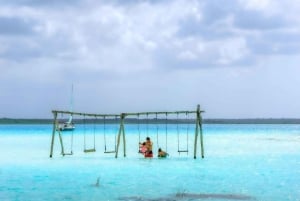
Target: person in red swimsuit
pixel 146 147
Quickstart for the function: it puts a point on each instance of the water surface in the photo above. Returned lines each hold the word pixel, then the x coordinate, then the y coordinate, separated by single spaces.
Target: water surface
pixel 259 162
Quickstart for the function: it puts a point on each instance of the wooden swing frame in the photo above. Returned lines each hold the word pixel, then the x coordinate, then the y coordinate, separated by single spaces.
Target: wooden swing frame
pixel 121 132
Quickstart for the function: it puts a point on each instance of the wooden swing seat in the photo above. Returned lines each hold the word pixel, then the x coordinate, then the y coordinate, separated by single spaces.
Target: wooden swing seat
pixel 89 150
pixel 67 154
pixel 110 152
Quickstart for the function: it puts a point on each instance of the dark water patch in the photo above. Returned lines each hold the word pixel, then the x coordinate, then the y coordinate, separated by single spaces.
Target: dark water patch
pixel 214 196
pixel 191 196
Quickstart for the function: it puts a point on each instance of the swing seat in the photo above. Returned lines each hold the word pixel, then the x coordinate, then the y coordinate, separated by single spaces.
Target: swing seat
pixel 67 154
pixel 110 152
pixel 183 151
pixel 89 150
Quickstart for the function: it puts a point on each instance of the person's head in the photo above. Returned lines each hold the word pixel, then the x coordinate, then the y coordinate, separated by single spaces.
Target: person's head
pixel 159 150
pixel 144 143
pixel 148 138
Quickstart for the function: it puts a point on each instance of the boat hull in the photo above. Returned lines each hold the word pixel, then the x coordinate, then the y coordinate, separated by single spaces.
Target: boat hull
pixel 66 127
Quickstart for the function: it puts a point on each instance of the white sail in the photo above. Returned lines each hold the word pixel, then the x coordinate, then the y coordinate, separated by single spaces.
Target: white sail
pixel 70 119
pixel 69 124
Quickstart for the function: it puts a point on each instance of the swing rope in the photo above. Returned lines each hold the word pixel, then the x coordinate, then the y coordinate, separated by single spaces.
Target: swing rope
pixel 71 143
pixel 177 129
pixel 178 137
pixel 116 131
pixel 104 132
pixel 95 120
pixel 166 132
pixel 84 133
pixel 147 122
pixel 84 137
pixel 156 121
pixel 115 136
pixel 139 131
pixel 187 131
pixel 72 134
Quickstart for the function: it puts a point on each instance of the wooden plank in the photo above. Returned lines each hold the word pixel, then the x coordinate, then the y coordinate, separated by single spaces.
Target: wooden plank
pixel 89 150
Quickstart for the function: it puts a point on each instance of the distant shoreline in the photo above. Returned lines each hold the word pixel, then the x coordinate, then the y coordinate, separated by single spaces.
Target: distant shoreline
pixel 159 121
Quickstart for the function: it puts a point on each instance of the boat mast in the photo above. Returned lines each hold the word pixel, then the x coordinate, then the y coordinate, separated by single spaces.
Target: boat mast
pixel 71 105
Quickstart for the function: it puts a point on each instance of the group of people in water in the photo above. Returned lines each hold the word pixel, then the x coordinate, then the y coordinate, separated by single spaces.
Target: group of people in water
pixel 146 149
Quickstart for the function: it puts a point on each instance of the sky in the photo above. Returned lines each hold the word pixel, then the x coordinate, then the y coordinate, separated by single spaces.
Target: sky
pixel 236 58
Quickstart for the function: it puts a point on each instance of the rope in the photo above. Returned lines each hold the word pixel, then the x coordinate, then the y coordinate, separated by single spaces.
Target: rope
pixel 72 141
pixel 166 132
pixel 187 131
pixel 115 136
pixel 178 134
pixel 156 121
pixel 84 138
pixel 147 121
pixel 104 131
pixel 139 132
pixel 187 134
pixel 95 120
pixel 116 118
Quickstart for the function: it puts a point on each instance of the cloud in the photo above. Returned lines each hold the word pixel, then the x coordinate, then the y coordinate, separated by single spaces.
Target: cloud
pixel 38 3
pixel 257 21
pixel 15 26
pixel 145 34
pixel 123 47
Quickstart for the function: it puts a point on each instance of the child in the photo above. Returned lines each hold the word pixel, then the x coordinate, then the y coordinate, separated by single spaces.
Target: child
pixel 162 154
pixel 143 148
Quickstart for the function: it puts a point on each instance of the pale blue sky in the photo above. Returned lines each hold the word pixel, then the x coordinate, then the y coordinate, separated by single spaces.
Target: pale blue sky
pixel 237 59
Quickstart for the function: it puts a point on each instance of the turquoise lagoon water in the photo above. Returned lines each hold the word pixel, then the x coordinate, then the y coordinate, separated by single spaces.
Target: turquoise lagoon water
pixel 242 162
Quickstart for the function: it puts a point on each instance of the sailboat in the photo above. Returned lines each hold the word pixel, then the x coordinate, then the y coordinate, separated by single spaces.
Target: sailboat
pixel 68 125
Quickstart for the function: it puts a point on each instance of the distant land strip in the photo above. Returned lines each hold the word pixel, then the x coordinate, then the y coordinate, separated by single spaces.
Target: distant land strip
pixel 156 121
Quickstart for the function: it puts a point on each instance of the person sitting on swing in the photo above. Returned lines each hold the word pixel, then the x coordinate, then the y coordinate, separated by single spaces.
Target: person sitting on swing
pixel 147 147
pixel 162 154
pixel 143 148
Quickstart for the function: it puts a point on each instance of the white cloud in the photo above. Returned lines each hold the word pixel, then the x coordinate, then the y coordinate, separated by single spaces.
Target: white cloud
pixel 95 32
pixel 94 43
pixel 257 4
pixel 232 50
pixel 187 55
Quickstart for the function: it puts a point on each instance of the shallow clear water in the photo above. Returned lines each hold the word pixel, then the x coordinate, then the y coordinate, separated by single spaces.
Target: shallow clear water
pixel 259 161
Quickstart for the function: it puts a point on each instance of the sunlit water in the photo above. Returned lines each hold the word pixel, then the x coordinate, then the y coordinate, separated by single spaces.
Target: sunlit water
pixel 259 161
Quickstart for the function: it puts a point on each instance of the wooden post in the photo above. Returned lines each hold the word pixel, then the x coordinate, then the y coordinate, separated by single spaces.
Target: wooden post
pixel 196 131
pixel 53 133
pixel 61 143
pixel 201 134
pixel 119 134
pixel 124 141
